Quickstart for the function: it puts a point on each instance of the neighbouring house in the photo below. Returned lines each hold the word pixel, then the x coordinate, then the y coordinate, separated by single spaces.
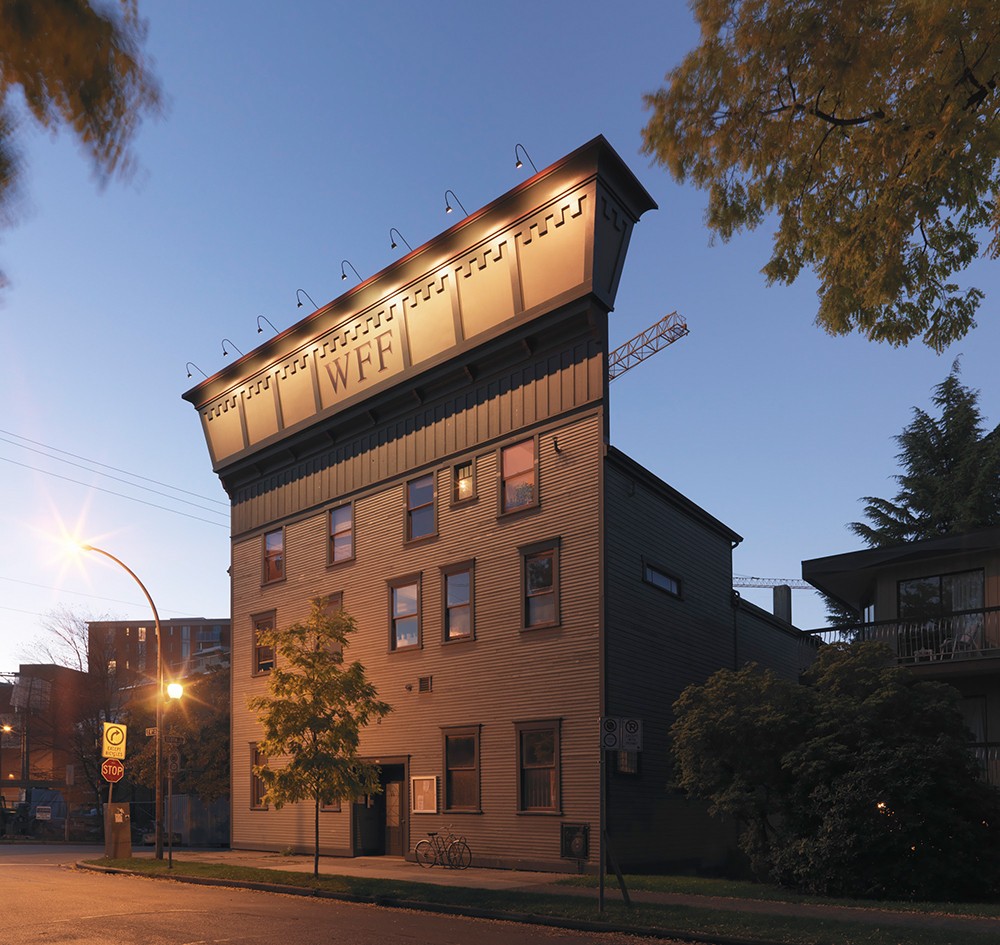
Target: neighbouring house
pixel 431 452
pixel 936 604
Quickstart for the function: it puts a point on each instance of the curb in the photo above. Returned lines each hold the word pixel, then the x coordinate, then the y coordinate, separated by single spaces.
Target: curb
pixel 524 918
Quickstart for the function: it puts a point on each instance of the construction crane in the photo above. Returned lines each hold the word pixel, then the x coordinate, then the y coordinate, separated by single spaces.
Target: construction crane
pixel 745 580
pixel 665 332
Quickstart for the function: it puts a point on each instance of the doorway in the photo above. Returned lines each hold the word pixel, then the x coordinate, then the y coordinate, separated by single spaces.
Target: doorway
pixel 380 820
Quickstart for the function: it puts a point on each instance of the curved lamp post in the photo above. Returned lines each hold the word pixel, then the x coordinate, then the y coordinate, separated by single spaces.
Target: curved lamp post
pixel 158 819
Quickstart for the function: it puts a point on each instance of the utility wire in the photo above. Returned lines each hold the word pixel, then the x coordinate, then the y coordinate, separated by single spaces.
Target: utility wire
pixel 62 590
pixel 95 462
pixel 120 495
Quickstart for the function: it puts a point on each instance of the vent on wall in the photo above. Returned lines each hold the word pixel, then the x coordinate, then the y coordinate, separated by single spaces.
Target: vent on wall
pixel 574 841
pixel 426 684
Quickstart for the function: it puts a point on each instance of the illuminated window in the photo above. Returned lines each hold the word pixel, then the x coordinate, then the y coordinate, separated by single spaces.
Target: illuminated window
pixel 404 622
pixel 263 652
pixel 458 602
pixel 420 507
pixel 518 479
pixel 342 534
pixel 464 477
pixel 461 766
pixel 538 766
pixel 274 555
pixel 257 790
pixel 540 575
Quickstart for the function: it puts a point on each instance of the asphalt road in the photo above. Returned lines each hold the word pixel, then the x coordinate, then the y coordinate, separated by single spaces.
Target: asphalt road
pixel 46 901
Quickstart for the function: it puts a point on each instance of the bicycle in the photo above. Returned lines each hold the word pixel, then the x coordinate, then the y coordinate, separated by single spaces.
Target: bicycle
pixel 449 851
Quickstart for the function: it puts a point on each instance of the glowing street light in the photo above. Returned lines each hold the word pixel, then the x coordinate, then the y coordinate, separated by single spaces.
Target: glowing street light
pixel 158 820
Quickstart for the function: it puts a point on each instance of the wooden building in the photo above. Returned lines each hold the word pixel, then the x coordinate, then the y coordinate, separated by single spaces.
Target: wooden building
pixel 432 449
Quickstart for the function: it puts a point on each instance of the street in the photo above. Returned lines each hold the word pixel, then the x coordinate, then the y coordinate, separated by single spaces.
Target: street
pixel 46 901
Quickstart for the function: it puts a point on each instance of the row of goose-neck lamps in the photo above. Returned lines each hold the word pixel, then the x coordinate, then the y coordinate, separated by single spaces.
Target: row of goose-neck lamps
pixel 518 163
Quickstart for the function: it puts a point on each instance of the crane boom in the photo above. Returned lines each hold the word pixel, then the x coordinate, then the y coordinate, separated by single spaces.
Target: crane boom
pixel 743 580
pixel 665 332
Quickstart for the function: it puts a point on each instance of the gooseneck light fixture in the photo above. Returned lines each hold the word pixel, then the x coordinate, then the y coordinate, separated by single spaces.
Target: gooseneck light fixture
pixel 298 301
pixel 160 695
pixel 266 319
pixel 448 207
pixel 518 163
pixel 343 274
pixel 190 365
pixel 392 242
pixel 225 353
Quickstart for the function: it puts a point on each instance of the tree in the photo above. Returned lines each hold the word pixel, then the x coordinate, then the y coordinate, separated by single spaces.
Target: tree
pixel 313 715
pixel 950 481
pixel 77 64
pixel 869 128
pixel 858 783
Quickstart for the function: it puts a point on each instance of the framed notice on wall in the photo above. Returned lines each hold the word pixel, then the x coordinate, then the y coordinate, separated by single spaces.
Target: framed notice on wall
pixel 423 790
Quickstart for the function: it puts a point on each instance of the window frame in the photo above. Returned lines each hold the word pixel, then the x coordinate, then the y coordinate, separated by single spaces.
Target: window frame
pixel 423 788
pixel 502 507
pixel 461 731
pixel 331 558
pixel 394 585
pixel 256 669
pixel 941 611
pixel 651 569
pixel 448 571
pixel 537 550
pixel 411 509
pixel 281 557
pixel 457 499
pixel 540 725
pixel 258 790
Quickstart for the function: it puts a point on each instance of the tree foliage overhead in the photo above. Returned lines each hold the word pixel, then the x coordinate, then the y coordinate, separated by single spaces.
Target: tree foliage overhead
pixel 313 715
pixel 858 783
pixel 950 479
pixel 869 128
pixel 76 64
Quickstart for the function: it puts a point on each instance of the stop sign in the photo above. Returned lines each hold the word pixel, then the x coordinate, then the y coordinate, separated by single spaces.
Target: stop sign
pixel 113 770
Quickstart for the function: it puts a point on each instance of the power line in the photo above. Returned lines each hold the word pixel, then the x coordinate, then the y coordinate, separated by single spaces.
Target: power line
pixel 121 495
pixel 62 590
pixel 94 462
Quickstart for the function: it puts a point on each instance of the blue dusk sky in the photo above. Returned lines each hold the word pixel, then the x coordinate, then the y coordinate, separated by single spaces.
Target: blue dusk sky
pixel 296 135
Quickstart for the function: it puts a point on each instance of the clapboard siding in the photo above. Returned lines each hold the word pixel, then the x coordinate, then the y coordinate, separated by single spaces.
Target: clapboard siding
pixel 503 676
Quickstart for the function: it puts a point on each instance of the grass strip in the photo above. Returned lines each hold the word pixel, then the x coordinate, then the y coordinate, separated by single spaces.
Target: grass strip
pixel 685 919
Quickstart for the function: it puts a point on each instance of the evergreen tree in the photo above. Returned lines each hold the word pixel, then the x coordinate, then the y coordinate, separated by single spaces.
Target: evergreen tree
pixel 950 481
pixel 313 715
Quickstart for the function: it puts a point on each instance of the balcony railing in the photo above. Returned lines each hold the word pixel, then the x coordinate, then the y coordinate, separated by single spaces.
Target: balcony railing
pixel 967 635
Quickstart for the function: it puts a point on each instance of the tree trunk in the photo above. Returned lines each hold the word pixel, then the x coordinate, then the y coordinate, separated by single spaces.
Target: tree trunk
pixel 316 837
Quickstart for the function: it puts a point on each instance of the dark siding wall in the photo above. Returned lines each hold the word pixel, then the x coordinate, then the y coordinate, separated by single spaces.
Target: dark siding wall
pixel 656 645
pixel 770 643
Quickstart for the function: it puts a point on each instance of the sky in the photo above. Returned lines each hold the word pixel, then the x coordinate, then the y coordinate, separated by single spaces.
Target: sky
pixel 295 136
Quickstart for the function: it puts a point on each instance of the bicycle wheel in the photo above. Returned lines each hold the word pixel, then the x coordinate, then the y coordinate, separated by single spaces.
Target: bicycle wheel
pixel 459 855
pixel 424 854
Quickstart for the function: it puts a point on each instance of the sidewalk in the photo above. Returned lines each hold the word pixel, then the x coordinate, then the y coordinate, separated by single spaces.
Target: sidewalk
pixel 393 868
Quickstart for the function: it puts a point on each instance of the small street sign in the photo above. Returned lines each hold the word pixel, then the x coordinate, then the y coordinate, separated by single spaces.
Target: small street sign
pixel 43 812
pixel 151 732
pixel 174 762
pixel 114 740
pixel 610 733
pixel 173 739
pixel 112 770
pixel 621 734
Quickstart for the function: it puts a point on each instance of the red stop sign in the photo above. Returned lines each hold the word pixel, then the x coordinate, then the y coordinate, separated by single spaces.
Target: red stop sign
pixel 113 770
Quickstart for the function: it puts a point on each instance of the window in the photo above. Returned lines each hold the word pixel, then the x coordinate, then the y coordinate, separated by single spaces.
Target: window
pixel 341 534
pixel 420 507
pixel 423 790
pixel 940 595
pixel 404 628
pixel 332 807
pixel 461 768
pixel 464 479
pixel 518 480
pixel 257 790
pixel 541 586
pixel 274 555
pixel 263 653
pixel 627 763
pixel 458 602
pixel 662 580
pixel 538 766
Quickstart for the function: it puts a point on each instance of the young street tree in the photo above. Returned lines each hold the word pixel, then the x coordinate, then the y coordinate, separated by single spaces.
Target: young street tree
pixel 858 783
pixel 77 64
pixel 313 715
pixel 868 128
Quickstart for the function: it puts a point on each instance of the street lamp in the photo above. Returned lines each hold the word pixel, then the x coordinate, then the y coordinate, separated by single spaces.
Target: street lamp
pixel 174 691
pixel 5 729
pixel 158 819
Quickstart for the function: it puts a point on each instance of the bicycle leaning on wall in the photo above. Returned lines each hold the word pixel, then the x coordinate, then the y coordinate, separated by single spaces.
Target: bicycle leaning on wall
pixel 450 851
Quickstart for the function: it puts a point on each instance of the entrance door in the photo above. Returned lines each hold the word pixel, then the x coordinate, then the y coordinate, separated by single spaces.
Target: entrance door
pixel 393 818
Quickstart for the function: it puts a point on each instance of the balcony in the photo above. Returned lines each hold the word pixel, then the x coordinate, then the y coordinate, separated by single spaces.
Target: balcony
pixel 953 641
